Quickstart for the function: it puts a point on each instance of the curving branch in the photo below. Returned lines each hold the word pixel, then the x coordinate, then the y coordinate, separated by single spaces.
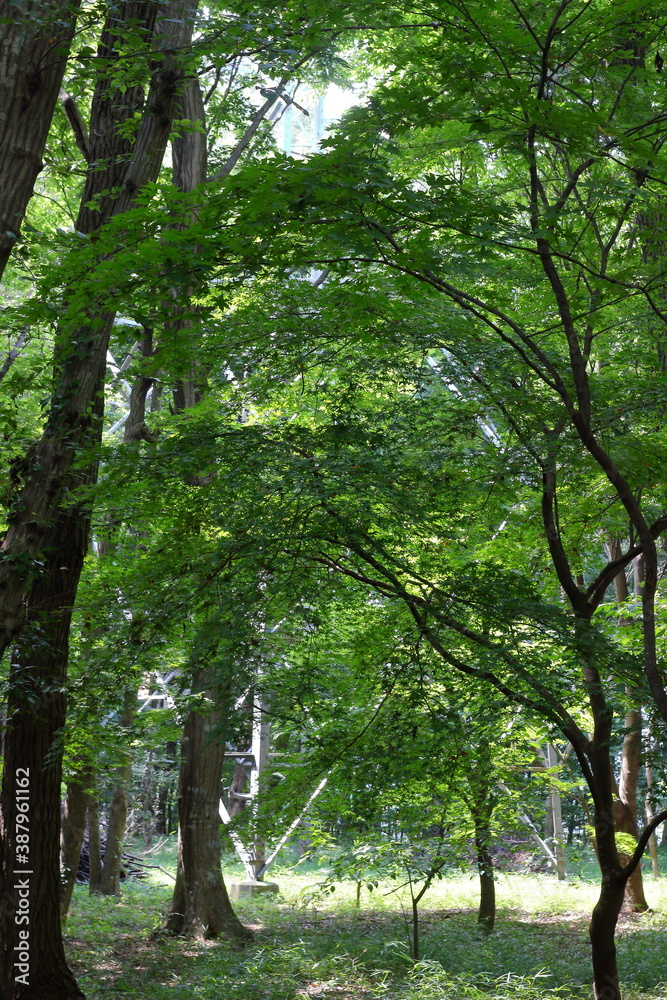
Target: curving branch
pixel 642 842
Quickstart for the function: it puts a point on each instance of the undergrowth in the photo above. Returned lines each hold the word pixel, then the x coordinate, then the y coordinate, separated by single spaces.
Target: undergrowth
pixel 331 950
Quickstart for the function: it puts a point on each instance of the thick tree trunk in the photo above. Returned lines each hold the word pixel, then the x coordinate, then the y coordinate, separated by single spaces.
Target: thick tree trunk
pixel 200 905
pixel 111 867
pixel 72 834
pixel 43 554
pixel 45 477
pixel 36 715
pixel 34 46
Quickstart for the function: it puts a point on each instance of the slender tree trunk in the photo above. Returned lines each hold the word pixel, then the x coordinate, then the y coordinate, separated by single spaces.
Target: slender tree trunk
pixel 34 46
pixel 481 802
pixel 648 807
pixel 625 808
pixel 200 904
pixel 415 929
pixel 94 850
pixel 72 833
pixel 602 933
pixel 135 430
pixel 163 813
pixel 486 914
pixel 235 806
pixel 148 817
pixel 556 813
pixel 111 868
pixel 625 815
pixel 605 914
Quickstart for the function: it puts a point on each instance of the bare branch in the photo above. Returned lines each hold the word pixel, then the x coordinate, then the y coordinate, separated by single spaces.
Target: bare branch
pixel 14 353
pixel 76 122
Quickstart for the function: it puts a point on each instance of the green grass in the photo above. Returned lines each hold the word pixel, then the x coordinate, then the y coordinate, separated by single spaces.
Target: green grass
pixel 332 951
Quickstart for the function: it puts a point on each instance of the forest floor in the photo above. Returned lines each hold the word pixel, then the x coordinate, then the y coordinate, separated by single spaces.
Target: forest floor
pixel 328 949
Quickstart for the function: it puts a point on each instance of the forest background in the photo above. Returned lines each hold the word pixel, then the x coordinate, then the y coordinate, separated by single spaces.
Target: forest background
pixel 390 468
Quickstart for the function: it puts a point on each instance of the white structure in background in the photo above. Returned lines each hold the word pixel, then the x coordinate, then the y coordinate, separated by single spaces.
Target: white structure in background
pixel 305 116
pixel 253 857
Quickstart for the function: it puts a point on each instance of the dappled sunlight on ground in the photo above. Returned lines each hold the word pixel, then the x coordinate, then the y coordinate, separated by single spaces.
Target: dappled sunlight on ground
pixel 330 950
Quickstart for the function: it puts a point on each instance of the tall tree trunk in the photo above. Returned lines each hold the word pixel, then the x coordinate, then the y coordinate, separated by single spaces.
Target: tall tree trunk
pixel 200 905
pixel 111 868
pixel 34 46
pixel 72 833
pixel 135 430
pixel 43 553
pixel 625 808
pixel 94 851
pixel 148 817
pixel 481 802
pixel 163 814
pixel 648 807
pixel 555 810
pixel 33 753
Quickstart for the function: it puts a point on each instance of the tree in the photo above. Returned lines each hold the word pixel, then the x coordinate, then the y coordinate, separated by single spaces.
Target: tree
pixel 573 152
pixel 497 285
pixel 34 47
pixel 46 540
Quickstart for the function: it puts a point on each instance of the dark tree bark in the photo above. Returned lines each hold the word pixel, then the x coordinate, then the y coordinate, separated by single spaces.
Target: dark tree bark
pixel 481 802
pixel 602 933
pixel 43 553
pixel 34 46
pixel 486 914
pixel 36 716
pixel 200 905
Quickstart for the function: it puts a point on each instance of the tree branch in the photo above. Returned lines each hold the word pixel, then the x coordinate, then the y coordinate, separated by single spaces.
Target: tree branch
pixel 14 353
pixel 643 841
